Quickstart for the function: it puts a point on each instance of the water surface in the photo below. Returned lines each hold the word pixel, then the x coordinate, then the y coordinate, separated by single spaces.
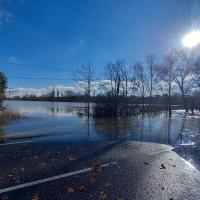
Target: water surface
pixel 66 121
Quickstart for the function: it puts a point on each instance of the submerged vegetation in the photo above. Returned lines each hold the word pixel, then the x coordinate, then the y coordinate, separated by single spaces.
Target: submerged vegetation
pixel 7 115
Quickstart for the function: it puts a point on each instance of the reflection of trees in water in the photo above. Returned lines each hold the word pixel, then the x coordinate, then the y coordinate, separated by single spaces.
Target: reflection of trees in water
pixel 112 127
pixel 181 132
pixel 152 127
pixel 63 110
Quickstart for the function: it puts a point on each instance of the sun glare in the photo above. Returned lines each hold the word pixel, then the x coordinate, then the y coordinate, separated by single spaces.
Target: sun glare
pixel 192 39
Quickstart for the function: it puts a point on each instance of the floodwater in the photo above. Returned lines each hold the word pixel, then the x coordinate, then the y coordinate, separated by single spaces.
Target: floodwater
pixel 66 121
pixel 62 121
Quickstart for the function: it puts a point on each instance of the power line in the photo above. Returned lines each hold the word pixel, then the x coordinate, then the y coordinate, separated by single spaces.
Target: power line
pixel 39 78
pixel 35 66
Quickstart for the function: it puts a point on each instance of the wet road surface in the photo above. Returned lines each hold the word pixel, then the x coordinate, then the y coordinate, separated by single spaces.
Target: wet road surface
pixel 115 170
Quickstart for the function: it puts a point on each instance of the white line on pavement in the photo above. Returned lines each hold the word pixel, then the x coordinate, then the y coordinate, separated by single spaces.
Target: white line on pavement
pixel 9 189
pixel 10 143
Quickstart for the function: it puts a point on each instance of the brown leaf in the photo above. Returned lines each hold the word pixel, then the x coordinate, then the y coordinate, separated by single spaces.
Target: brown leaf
pixel 163 166
pixel 92 181
pixel 102 195
pixel 12 177
pixel 173 165
pixel 96 168
pixel 71 158
pixel 70 189
pixel 42 165
pixel 36 197
pixel 82 187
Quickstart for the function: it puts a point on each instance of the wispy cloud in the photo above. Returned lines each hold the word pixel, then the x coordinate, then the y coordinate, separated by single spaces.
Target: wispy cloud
pixel 5 16
pixel 14 59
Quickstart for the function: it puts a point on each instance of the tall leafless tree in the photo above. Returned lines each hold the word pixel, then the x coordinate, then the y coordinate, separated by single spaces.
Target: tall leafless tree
pixel 141 81
pixel 152 75
pixel 165 71
pixel 85 75
pixel 182 74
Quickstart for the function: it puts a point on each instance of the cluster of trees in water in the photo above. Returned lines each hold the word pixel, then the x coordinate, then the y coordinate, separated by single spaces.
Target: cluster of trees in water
pixel 3 87
pixel 130 87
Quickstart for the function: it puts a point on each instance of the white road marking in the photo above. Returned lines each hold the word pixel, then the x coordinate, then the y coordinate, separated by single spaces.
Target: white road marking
pixel 25 185
pixel 10 143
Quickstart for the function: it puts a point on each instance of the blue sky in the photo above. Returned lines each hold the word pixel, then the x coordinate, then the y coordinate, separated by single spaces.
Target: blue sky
pixel 68 33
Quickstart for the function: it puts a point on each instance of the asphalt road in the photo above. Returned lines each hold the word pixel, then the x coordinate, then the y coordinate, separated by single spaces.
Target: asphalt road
pixel 131 170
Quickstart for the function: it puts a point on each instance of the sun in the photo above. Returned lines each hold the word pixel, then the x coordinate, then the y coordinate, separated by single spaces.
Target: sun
pixel 191 39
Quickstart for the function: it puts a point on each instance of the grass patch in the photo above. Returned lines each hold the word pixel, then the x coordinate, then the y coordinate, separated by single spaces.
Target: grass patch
pixel 7 115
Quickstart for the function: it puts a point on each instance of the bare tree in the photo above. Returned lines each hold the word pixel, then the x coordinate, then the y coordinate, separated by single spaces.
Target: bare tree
pixel 196 74
pixel 152 75
pixel 85 75
pixel 141 81
pixel 165 72
pixel 113 73
pixel 182 74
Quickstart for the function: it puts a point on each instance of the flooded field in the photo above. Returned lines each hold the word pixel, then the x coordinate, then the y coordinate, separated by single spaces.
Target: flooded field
pixel 50 121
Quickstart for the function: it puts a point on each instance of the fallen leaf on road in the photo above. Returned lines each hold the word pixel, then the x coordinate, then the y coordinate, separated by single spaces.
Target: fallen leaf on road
pixel 146 163
pixel 173 165
pixel 36 197
pixel 162 188
pixel 102 195
pixel 96 168
pixel 92 181
pixel 162 166
pixel 71 158
pixel 82 187
pixel 42 165
pixel 70 189
pixel 12 178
